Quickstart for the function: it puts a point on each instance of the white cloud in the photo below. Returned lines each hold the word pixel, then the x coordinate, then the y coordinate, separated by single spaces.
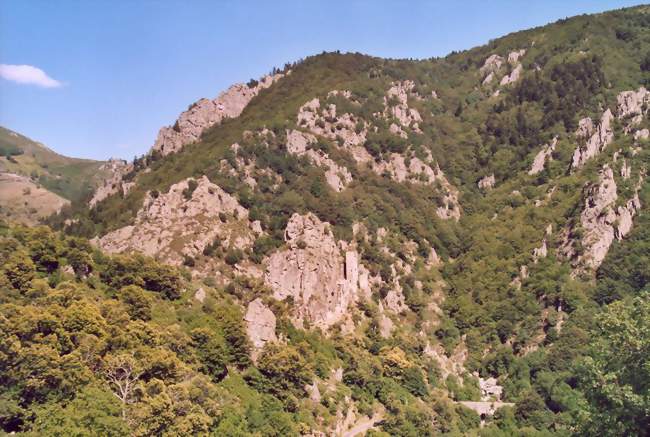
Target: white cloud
pixel 27 74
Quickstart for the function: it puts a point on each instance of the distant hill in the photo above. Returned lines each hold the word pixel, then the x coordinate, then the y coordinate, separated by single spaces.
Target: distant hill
pixel 42 179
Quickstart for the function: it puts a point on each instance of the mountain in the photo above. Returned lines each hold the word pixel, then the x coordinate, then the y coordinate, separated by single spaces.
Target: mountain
pixel 36 182
pixel 454 245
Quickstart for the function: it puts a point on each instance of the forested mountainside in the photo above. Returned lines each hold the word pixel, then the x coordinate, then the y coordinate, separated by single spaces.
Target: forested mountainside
pixel 353 244
pixel 36 182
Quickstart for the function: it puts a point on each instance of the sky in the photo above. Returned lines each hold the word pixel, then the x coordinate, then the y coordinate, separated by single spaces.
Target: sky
pixel 97 79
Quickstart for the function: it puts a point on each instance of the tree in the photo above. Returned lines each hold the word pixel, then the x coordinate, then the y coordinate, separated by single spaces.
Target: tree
pixel 137 301
pixel 615 378
pixel 19 270
pixel 92 412
pixel 211 351
pixel 122 372
pixel 285 366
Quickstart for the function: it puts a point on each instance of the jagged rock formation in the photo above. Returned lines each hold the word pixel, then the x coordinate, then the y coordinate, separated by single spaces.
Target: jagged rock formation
pixel 322 282
pixel 545 154
pixel 117 168
pixel 338 177
pixel 171 226
pixel 601 221
pixel 260 325
pixel 206 113
pixel 599 138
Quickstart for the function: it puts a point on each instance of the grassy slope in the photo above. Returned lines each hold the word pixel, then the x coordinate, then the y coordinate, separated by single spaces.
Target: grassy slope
pixel 71 178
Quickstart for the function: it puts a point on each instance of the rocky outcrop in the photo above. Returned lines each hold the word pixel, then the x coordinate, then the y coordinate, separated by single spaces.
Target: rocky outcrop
pixel 601 221
pixel 396 105
pixel 631 106
pixel 181 223
pixel 337 177
pixel 492 64
pixel 260 325
pixel 322 280
pixel 599 138
pixel 513 77
pixel 347 130
pixel 486 183
pixel 452 365
pixel 514 56
pixel 116 169
pixel 206 113
pixel 641 135
pixel 542 156
pixel 490 389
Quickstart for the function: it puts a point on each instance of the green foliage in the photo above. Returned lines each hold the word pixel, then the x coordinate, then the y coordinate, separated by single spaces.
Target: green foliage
pixel 615 377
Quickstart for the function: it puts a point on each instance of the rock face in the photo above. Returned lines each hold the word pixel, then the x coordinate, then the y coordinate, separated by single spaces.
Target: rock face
pixel 601 222
pixel 260 325
pixel 322 282
pixel 338 177
pixel 117 168
pixel 540 159
pixel 599 138
pixel 171 225
pixel 206 113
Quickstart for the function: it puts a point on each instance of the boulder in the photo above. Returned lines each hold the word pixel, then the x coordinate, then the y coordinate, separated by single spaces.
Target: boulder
pixel 260 325
pixel 486 183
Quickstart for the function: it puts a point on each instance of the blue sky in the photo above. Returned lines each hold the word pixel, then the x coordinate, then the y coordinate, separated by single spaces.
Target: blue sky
pixel 108 74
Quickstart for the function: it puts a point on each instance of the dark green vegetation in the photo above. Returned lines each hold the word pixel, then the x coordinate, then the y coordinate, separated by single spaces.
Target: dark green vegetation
pixel 71 178
pixel 571 353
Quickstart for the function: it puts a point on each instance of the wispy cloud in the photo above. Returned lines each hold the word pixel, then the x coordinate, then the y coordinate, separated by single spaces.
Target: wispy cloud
pixel 29 75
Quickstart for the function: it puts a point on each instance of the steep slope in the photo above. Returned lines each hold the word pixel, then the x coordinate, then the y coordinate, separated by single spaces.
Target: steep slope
pixel 41 180
pixel 443 229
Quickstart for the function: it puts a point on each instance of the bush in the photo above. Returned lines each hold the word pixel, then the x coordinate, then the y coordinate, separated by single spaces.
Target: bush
pixel 233 256
pixel 192 184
